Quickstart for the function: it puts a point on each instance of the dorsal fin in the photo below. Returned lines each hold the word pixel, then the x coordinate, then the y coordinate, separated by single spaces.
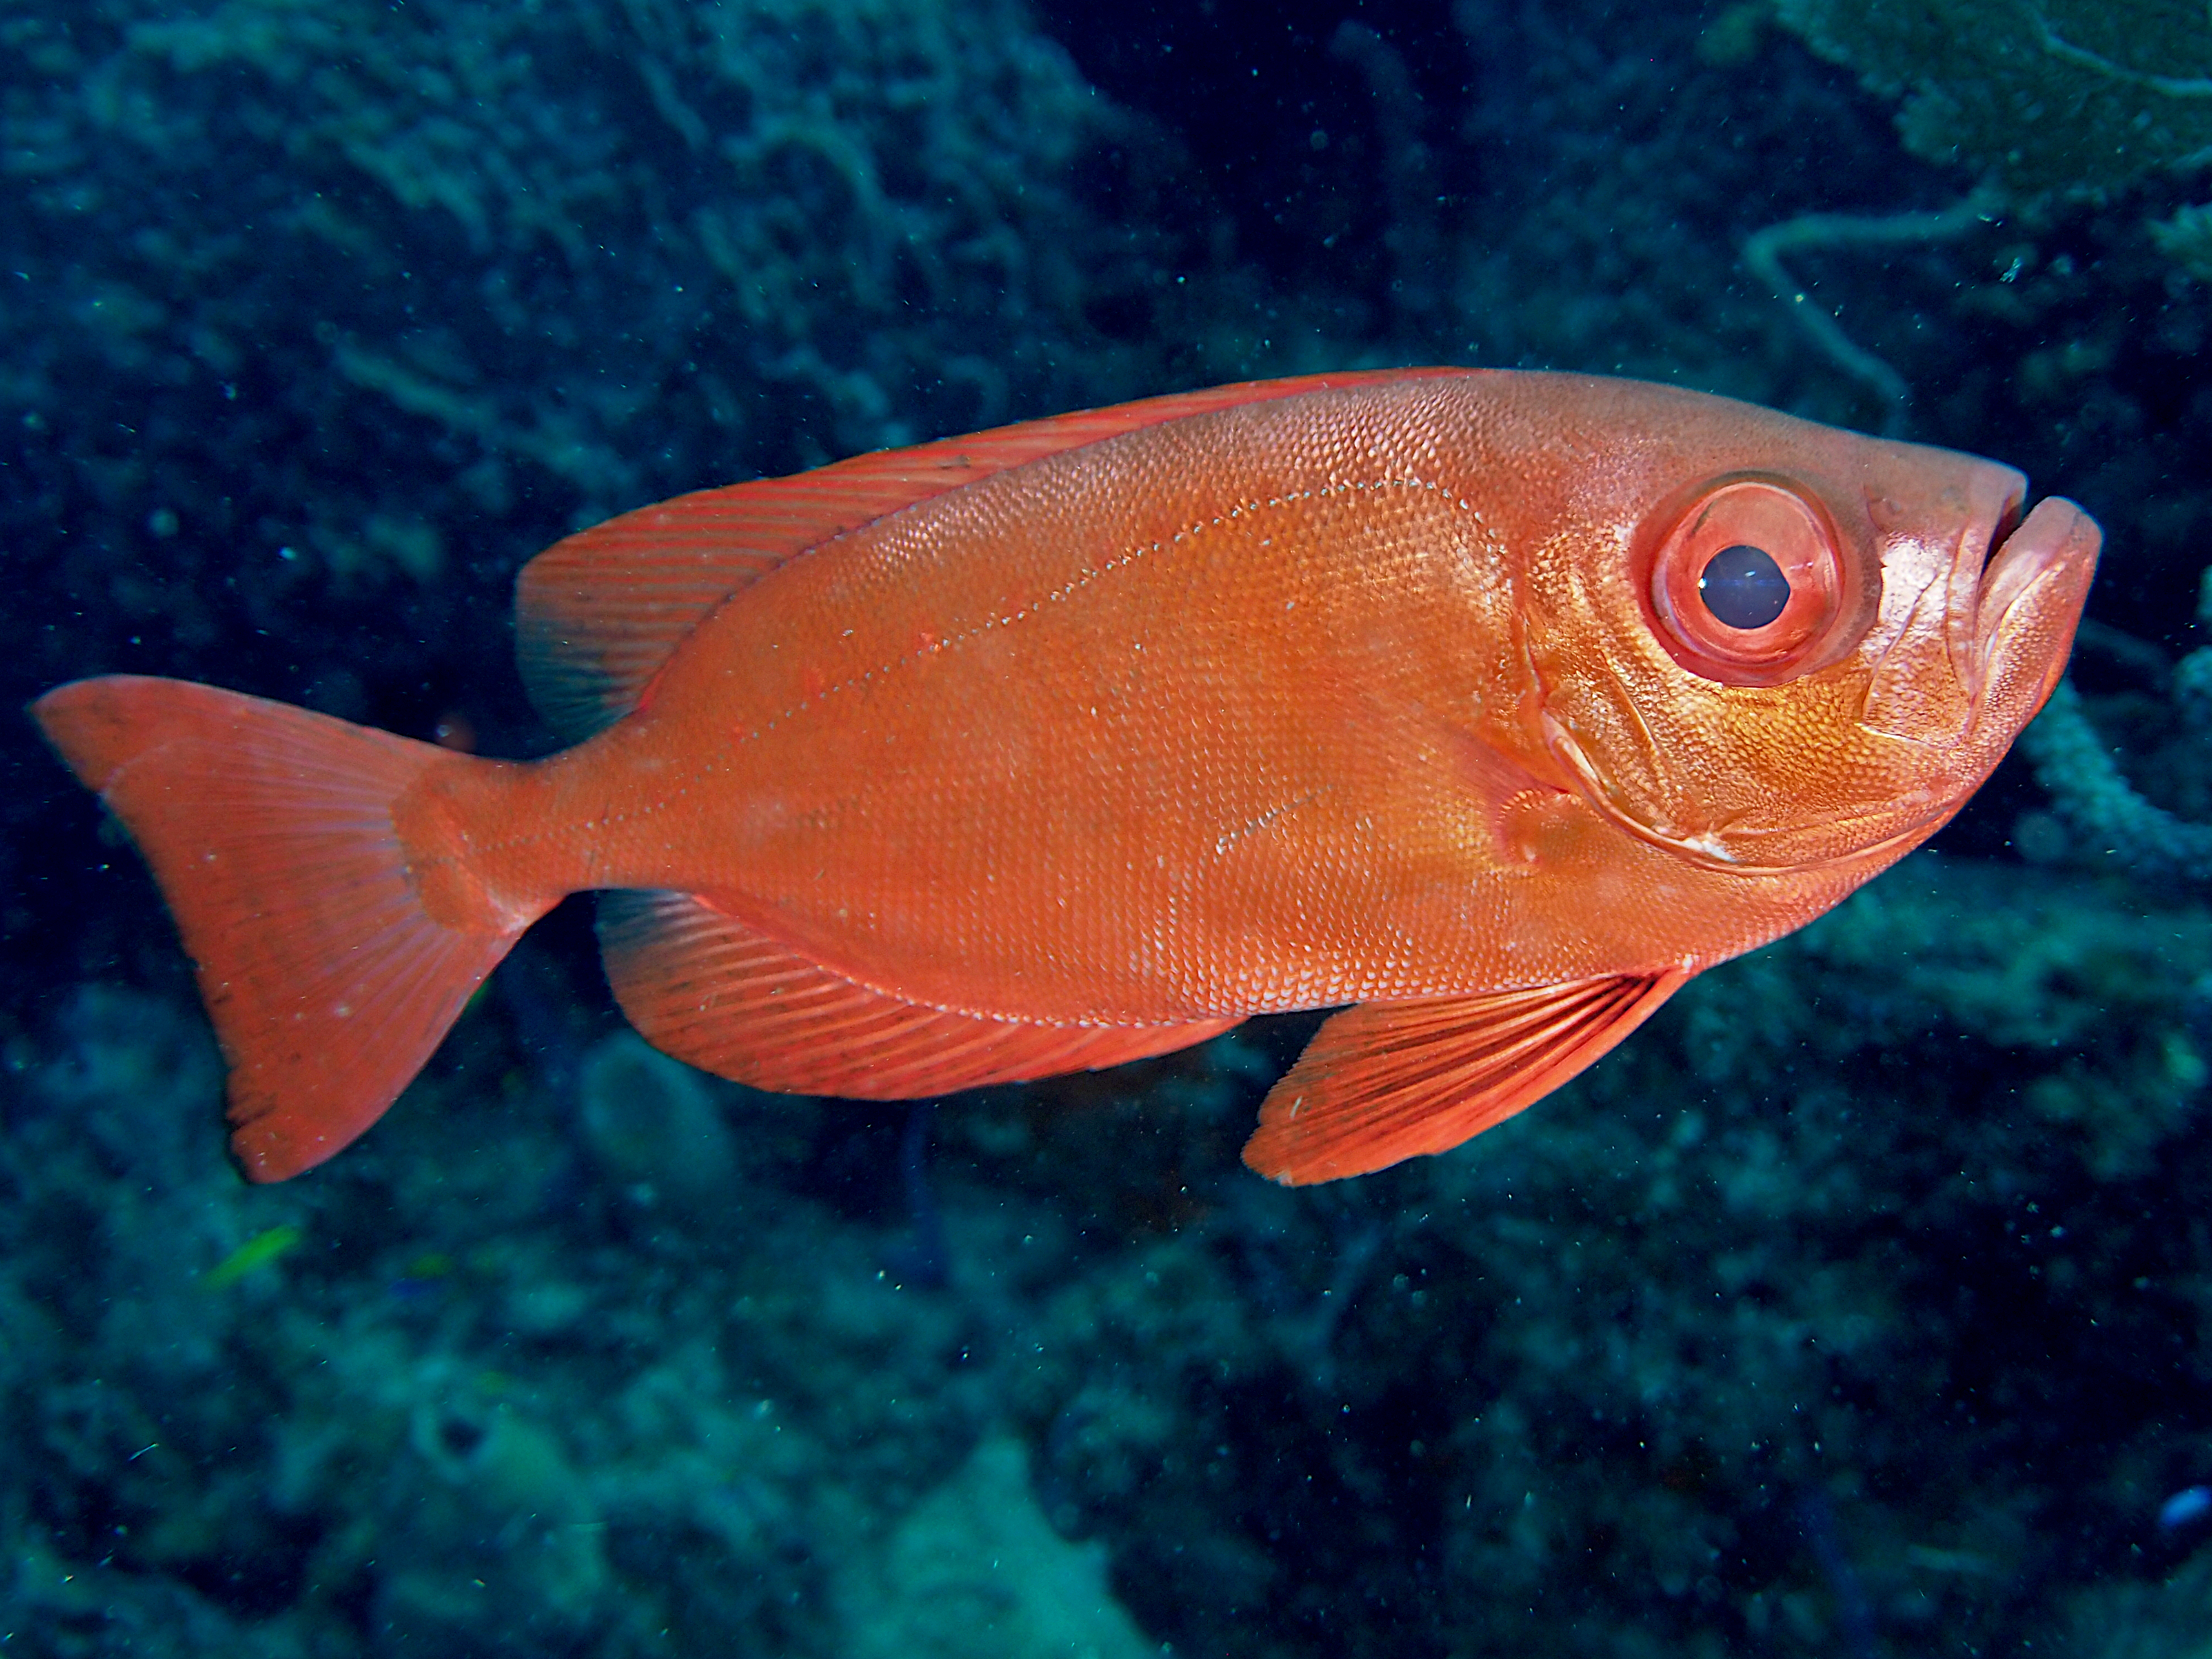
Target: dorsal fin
pixel 703 986
pixel 596 614
pixel 1383 1082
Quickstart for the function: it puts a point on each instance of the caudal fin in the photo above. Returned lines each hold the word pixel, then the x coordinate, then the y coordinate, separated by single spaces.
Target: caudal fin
pixel 269 830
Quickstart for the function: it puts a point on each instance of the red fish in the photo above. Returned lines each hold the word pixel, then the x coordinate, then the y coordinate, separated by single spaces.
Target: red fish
pixel 1496 705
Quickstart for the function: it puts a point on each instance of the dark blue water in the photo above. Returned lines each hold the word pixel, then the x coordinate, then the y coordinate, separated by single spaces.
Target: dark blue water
pixel 1857 1307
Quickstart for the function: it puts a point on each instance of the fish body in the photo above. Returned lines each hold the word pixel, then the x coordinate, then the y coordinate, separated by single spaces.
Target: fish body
pixel 1055 746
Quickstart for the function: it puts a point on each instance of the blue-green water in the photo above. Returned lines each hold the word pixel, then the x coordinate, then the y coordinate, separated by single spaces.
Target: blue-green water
pixel 1858 1307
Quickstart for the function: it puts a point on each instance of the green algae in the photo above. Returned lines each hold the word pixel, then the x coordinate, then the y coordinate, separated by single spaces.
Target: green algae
pixel 257 1253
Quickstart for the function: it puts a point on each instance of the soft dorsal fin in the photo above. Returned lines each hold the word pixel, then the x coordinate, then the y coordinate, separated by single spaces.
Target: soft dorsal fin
pixel 703 986
pixel 596 614
pixel 1385 1081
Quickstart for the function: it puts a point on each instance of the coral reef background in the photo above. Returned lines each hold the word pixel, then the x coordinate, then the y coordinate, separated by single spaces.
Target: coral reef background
pixel 1862 1306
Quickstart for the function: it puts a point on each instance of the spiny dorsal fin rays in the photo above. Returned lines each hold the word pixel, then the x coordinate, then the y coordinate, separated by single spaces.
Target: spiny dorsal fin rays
pixel 596 614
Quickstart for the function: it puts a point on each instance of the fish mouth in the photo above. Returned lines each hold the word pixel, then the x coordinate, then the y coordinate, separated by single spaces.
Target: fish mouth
pixel 1996 507
pixel 2055 546
pixel 2028 601
pixel 2009 517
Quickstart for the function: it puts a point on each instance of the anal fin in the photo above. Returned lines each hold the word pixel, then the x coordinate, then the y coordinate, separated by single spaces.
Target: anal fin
pixel 1383 1082
pixel 704 986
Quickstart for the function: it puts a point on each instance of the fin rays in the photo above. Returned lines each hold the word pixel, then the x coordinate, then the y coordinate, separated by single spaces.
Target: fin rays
pixel 707 988
pixel 1385 1082
pixel 270 830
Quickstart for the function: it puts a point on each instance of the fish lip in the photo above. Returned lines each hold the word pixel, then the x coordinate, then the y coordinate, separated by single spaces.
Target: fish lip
pixel 2058 539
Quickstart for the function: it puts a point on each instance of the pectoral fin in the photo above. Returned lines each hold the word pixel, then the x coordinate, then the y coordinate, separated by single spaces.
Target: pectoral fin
pixel 1386 1081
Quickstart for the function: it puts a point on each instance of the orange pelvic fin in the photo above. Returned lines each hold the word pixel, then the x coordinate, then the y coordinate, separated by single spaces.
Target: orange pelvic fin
pixel 269 830
pixel 598 614
pixel 1385 1082
pixel 714 992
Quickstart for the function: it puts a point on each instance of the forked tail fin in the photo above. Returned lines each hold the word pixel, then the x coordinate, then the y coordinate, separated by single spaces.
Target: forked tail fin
pixel 269 830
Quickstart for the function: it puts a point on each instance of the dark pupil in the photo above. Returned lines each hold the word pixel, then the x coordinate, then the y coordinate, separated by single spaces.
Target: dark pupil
pixel 1743 587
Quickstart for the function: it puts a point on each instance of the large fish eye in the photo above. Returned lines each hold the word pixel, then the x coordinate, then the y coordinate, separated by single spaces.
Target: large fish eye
pixel 1746 583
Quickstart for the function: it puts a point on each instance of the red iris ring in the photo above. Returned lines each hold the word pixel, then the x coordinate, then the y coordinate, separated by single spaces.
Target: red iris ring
pixel 1790 529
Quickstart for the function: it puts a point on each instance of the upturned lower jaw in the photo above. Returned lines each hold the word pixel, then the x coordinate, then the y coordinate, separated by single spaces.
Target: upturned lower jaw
pixel 2031 598
pixel 2053 539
